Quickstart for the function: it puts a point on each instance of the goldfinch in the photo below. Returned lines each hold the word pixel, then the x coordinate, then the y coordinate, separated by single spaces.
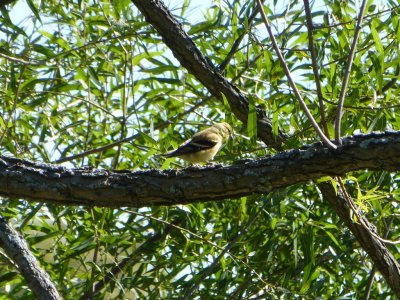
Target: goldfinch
pixel 203 145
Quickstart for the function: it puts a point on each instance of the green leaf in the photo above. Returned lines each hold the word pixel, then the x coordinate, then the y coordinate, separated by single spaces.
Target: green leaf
pixel 34 9
pixel 252 121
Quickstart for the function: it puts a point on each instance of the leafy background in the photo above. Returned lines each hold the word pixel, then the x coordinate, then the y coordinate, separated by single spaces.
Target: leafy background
pixel 90 83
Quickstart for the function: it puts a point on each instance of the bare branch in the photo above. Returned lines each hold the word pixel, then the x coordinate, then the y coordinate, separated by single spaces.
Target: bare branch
pixel 291 81
pixel 314 63
pixel 346 77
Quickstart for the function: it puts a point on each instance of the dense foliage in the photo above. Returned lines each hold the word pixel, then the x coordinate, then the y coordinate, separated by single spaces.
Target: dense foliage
pixel 92 84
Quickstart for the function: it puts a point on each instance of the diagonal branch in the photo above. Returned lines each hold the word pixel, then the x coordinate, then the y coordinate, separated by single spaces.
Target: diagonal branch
pixel 291 81
pixel 377 251
pixel 17 249
pixel 346 77
pixel 187 53
pixel 314 63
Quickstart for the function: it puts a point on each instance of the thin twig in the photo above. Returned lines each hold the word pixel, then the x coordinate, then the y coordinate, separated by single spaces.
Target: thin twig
pixel 19 60
pixel 127 262
pixel 234 257
pixel 314 63
pixel 360 218
pixel 207 271
pixel 303 105
pixel 236 44
pixel 369 284
pixel 370 16
pixel 373 270
pixel 349 64
pixel 128 139
pixel 90 287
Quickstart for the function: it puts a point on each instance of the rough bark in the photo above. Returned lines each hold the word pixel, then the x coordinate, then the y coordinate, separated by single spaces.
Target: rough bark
pixel 186 52
pixel 17 249
pixel 191 58
pixel 49 183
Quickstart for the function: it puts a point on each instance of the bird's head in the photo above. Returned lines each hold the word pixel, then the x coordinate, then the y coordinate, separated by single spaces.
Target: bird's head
pixel 225 130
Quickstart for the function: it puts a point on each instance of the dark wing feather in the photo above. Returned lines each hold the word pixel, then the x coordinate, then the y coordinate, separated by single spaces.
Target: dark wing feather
pixel 192 146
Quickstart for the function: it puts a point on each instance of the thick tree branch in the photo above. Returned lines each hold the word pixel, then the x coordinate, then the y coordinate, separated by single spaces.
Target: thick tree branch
pixel 17 249
pixel 186 52
pixel 49 183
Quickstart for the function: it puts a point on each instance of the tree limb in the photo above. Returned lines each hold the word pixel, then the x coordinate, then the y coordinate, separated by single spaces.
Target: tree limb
pixel 59 185
pixel 187 53
pixel 183 48
pixel 377 251
pixel 17 249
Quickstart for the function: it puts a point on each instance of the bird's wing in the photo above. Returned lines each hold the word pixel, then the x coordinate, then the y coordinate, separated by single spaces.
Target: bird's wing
pixel 195 144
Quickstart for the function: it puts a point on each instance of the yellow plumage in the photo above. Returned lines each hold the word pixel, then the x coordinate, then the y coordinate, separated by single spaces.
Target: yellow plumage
pixel 204 145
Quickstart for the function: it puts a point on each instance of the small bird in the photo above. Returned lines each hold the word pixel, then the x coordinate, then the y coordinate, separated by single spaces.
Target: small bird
pixel 203 145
